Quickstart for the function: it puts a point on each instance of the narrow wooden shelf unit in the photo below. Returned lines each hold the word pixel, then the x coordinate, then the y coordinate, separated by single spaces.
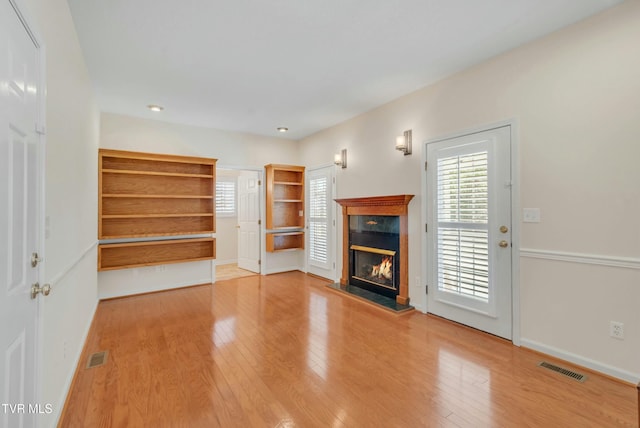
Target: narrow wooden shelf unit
pixel 285 207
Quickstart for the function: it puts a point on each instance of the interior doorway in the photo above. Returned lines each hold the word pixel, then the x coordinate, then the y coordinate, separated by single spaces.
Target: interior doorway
pixel 238 222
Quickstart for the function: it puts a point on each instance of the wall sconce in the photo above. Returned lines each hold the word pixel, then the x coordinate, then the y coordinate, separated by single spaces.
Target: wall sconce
pixel 340 159
pixel 403 143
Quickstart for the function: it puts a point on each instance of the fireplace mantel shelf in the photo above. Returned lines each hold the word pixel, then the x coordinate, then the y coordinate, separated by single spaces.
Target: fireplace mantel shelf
pixel 402 200
pixel 395 205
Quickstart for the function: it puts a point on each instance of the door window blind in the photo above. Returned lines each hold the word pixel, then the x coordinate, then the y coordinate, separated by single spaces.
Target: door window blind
pixel 463 214
pixel 318 220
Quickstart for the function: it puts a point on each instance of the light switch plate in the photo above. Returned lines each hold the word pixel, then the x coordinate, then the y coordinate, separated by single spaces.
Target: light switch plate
pixel 531 215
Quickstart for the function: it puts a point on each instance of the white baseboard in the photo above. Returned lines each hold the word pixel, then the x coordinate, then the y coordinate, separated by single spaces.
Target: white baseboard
pixel 106 296
pixel 282 270
pixel 72 373
pixel 582 361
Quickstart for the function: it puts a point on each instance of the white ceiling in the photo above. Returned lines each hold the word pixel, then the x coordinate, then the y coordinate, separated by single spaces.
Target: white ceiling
pixel 254 65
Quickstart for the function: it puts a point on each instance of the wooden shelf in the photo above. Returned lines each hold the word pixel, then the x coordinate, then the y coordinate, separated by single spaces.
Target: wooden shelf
pixel 151 253
pixel 285 196
pixel 290 241
pixel 122 195
pixel 164 174
pixel 147 194
pixel 156 215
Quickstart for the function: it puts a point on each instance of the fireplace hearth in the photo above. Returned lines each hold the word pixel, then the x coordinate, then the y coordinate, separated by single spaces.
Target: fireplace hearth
pixel 375 245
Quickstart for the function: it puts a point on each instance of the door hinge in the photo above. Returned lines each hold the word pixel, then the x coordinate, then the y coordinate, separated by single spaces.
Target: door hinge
pixel 334 265
pixel 334 180
pixel 334 222
pixel 259 222
pixel 425 165
pixel 259 182
pixel 426 289
pixel 259 262
pixel 426 228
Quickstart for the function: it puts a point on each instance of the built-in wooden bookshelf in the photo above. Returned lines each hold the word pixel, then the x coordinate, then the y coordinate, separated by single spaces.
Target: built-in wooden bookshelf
pixel 150 253
pixel 143 195
pixel 285 207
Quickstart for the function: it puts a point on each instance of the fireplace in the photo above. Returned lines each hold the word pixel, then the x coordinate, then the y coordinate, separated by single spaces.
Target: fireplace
pixel 375 245
pixel 374 253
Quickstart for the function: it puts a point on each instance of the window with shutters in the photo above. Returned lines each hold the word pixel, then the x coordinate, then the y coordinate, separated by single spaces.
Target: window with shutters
pixel 226 198
pixel 463 225
pixel 318 220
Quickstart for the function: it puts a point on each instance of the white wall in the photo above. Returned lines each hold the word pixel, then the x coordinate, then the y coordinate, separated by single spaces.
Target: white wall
pixel 72 124
pixel 574 95
pixel 226 231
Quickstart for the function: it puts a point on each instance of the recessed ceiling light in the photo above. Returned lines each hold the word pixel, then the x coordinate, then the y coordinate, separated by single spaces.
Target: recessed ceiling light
pixel 283 129
pixel 154 107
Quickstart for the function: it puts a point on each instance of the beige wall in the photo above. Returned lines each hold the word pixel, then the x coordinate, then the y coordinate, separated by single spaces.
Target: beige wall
pixel 230 148
pixel 574 96
pixel 72 123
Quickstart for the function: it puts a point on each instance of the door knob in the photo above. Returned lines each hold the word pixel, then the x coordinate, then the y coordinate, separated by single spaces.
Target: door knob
pixel 35 289
pixel 503 244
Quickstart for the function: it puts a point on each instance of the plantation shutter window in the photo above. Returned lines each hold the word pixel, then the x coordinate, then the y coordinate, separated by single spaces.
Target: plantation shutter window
pixel 463 225
pixel 226 198
pixel 318 220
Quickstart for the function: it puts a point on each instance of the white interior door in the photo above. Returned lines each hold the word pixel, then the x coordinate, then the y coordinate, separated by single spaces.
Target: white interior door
pixel 321 223
pixel 249 221
pixel 19 218
pixel 469 233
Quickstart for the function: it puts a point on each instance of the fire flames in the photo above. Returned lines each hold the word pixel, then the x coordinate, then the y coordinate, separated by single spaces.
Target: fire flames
pixel 383 270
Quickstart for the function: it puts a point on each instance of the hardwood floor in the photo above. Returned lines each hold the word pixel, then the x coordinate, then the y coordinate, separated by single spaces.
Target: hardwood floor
pixel 282 351
pixel 231 271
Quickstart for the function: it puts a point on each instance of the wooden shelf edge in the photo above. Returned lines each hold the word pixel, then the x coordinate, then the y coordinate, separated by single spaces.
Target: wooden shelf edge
pixel 169 262
pixel 116 216
pixel 154 173
pixel 289 183
pixel 287 200
pixel 155 156
pixel 155 235
pixel 130 195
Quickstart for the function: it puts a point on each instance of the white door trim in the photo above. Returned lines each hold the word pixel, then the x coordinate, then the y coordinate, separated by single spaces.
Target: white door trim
pixel 261 204
pixel 515 216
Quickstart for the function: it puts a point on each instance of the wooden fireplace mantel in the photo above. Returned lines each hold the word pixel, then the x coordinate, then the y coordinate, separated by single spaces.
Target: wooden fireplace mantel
pixel 396 205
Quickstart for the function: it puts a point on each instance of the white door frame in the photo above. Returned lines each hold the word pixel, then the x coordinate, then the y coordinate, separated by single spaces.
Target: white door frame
pixel 261 202
pixel 515 217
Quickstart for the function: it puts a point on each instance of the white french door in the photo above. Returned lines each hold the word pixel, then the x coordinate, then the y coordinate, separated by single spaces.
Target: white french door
pixel 20 213
pixel 469 233
pixel 321 222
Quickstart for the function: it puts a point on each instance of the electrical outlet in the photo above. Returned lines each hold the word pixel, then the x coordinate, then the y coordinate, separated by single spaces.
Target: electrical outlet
pixel 616 329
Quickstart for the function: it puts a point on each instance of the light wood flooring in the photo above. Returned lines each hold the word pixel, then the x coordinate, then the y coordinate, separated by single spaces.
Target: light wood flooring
pixel 282 351
pixel 231 271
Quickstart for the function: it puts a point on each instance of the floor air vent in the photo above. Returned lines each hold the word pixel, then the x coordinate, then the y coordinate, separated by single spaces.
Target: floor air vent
pixel 97 359
pixel 573 375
